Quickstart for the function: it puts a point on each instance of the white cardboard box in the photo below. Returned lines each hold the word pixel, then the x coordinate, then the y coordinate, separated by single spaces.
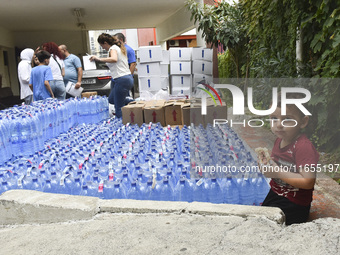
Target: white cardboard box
pixel 164 70
pixel 181 81
pixel 154 83
pixel 201 77
pixel 180 54
pixel 180 91
pixel 150 54
pixel 180 67
pixel 202 54
pixel 202 67
pixel 166 57
pixel 149 69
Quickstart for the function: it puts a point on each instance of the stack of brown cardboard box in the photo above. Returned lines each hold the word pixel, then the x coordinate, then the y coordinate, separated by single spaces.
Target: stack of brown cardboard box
pixel 173 112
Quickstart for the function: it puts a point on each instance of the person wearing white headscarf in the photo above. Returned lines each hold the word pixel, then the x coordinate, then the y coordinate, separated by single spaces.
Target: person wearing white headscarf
pixel 24 74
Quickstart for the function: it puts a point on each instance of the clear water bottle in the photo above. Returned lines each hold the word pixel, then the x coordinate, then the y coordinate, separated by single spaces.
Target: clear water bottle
pixel 119 191
pixel 247 191
pixel 36 184
pixel 166 193
pixel 133 191
pixel 231 193
pixel 261 189
pixel 199 192
pixel 183 190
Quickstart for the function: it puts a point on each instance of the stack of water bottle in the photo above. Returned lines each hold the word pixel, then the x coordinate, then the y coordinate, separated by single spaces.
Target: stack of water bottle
pixel 24 129
pixel 73 151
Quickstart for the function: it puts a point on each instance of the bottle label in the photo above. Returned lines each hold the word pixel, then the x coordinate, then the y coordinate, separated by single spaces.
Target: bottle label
pixel 154 181
pixel 20 180
pixel 29 170
pixel 101 187
pixel 111 175
pixel 41 164
pixel 199 183
pixel 62 179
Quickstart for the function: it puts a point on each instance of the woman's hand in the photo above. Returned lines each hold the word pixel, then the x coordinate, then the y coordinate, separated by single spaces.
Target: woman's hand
pixel 94 58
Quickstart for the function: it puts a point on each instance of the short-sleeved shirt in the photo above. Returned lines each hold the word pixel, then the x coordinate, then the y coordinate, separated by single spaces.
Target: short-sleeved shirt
pixel 293 156
pixel 130 54
pixel 72 63
pixel 121 67
pixel 39 75
pixel 56 65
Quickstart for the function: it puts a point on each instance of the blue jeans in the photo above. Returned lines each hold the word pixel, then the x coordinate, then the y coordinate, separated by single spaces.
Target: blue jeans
pixel 58 88
pixel 120 88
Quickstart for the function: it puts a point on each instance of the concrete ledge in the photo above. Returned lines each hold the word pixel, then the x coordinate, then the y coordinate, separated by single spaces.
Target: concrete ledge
pixel 136 206
pixel 26 206
pixel 141 206
pixel 245 211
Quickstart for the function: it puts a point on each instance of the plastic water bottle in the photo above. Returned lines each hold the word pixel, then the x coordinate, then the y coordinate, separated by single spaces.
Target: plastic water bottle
pixel 166 193
pixel 133 191
pixel 247 191
pixel 261 189
pixel 215 193
pixel 199 192
pixel 183 190
pixel 36 184
pixel 118 191
pixel 231 193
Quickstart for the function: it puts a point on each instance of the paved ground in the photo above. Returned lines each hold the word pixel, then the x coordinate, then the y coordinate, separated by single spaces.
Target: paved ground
pixel 172 234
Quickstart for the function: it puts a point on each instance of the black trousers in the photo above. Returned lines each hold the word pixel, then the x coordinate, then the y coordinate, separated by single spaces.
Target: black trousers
pixel 294 213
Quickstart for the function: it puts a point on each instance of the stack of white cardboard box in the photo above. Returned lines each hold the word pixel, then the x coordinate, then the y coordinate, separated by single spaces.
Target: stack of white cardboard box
pixel 188 68
pixel 202 67
pixel 180 71
pixel 153 69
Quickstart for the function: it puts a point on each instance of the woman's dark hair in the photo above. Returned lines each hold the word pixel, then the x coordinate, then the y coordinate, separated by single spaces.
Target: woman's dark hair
pixel 110 40
pixel 43 55
pixel 53 48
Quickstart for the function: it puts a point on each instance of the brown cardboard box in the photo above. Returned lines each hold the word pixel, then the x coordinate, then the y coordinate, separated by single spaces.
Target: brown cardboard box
pixel 215 112
pixel 89 94
pixel 154 112
pixel 192 114
pixel 133 113
pixel 173 112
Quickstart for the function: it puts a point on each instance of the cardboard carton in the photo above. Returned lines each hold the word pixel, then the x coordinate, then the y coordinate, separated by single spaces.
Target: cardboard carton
pixel 89 94
pixel 180 67
pixel 181 81
pixel 202 54
pixel 191 113
pixel 133 113
pixel 202 67
pixel 149 69
pixel 173 112
pixel 150 54
pixel 154 112
pixel 180 54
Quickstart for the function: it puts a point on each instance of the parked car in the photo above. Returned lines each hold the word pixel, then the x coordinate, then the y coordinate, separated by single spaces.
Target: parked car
pixel 97 80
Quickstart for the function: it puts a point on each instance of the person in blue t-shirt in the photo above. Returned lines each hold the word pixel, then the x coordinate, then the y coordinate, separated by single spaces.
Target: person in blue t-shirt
pixel 40 77
pixel 73 67
pixel 131 56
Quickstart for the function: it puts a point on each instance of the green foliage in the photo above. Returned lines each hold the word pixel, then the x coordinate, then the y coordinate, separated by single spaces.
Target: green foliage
pixel 271 27
pixel 260 38
pixel 226 66
pixel 222 24
pixel 323 37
